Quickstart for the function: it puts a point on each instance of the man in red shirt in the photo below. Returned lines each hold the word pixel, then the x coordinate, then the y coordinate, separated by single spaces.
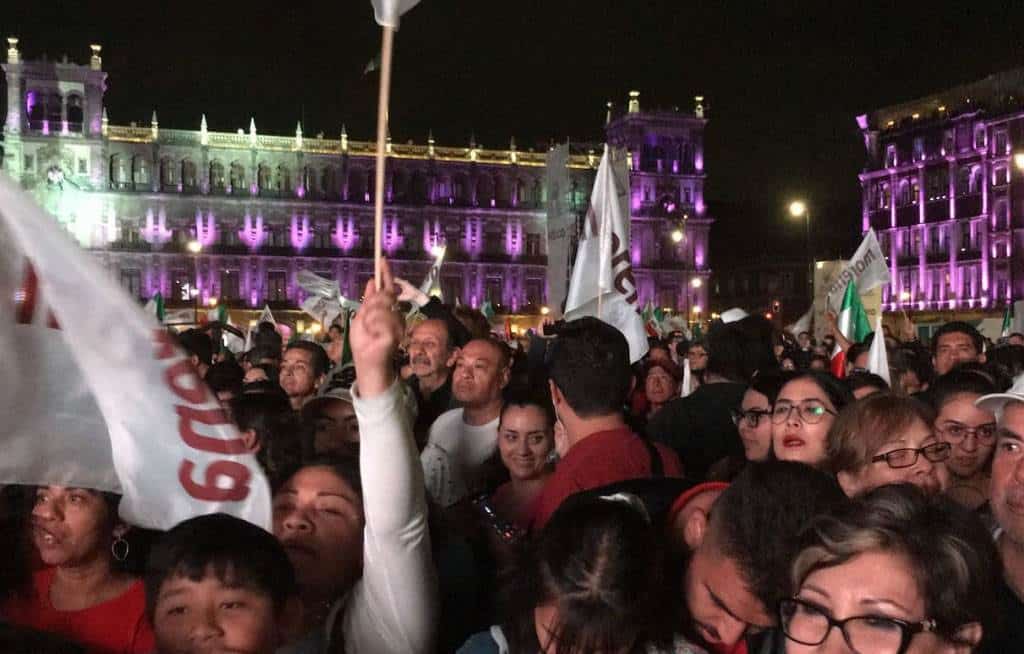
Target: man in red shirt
pixel 590 379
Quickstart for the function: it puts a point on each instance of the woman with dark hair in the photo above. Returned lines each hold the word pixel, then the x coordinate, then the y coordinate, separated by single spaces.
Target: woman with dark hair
pixel 81 594
pixel 894 572
pixel 525 442
pixel 592 582
pixel 803 413
pixel 753 417
pixel 269 428
pixel 361 550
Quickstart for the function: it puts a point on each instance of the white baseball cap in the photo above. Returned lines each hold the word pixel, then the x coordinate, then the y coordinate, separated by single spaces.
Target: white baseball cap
pixel 733 315
pixel 996 402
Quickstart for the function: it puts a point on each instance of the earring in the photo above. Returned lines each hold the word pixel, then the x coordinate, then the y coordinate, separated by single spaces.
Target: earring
pixel 120 548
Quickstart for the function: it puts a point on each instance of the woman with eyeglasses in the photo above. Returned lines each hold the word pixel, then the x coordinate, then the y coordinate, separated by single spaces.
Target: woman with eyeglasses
pixel 970 432
pixel 802 415
pixel 894 572
pixel 753 417
pixel 887 439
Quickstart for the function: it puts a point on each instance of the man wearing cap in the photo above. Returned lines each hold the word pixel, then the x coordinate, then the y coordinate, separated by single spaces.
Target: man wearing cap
pixel 332 419
pixel 1006 499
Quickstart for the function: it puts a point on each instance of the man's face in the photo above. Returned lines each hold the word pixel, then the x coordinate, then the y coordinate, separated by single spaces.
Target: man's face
pixel 1015 339
pixel 428 349
pixel 1007 487
pixel 804 339
pixel 951 349
pixel 297 376
pixel 336 429
pixel 479 376
pixel 698 357
pixel 722 608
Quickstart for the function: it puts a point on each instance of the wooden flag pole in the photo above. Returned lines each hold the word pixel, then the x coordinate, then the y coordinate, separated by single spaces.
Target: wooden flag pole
pixel 387 44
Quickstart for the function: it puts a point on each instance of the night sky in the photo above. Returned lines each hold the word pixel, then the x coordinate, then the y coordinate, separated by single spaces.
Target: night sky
pixel 783 82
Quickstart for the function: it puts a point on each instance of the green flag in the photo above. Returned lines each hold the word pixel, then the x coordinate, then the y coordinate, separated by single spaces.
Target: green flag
pixel 346 347
pixel 1007 322
pixel 155 306
pixel 487 309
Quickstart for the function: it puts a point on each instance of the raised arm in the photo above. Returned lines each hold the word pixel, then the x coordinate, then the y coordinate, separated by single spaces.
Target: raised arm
pixel 393 608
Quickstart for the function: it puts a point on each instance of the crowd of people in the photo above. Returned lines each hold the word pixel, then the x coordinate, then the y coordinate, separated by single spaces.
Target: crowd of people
pixel 437 488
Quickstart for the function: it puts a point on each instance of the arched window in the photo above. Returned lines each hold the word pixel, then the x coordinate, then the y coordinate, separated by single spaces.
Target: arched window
pixel 904 193
pixel 264 179
pixel 218 181
pixel 118 173
pixel 188 175
pixel 329 182
pixel 168 180
pixel 485 191
pixel 356 185
pixel 75 114
pixel 975 183
pixel 35 109
pixel 460 190
pixel 237 178
pixel 522 193
pixel 418 186
pixel 501 195
pixel 310 183
pixel 140 171
pixel 283 181
pixel 399 186
pixel 53 112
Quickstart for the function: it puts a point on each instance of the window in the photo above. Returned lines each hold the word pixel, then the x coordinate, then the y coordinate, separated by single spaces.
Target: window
pixel 904 196
pixel 687 195
pixel 30 163
pixel 451 287
pixel 936 183
pixel 533 245
pixel 277 288
pixel 1000 176
pixel 883 195
pixel 131 281
pixel 534 291
pixel 979 137
pixel 322 238
pixel 83 166
pixel 947 143
pixel 229 284
pixel 915 190
pixel 181 281
pixel 493 291
pixel 935 243
pixel 494 243
pixel 1002 142
pixel 965 235
pixel 1002 215
pixel 890 156
pixel 919 149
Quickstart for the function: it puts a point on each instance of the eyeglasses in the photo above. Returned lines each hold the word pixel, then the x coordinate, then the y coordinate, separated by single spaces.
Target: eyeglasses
pixel 809 624
pixel 954 431
pixel 907 456
pixel 811 412
pixel 751 418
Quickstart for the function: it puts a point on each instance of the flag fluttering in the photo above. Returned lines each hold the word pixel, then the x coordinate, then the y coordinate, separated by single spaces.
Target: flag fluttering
pixel 162 439
pixel 802 324
pixel 687 386
pixel 878 357
pixel 853 325
pixel 432 282
pixel 867 269
pixel 388 12
pixel 155 306
pixel 602 276
pixel 1007 327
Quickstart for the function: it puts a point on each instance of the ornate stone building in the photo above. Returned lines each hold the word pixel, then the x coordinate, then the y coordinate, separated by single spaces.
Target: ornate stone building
pixel 236 215
pixel 939 189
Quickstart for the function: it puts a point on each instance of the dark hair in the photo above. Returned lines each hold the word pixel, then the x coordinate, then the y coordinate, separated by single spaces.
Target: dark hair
pixel 956 381
pixel 269 415
pixel 317 356
pixel 473 321
pixel 273 372
pixel 267 336
pixel 951 554
pixel 737 350
pixel 1007 359
pixel 819 357
pixel 855 351
pixel 197 344
pixel 503 350
pixel 838 394
pixel 601 562
pixel 590 366
pixel 237 552
pixel 757 520
pixel 958 327
pixel 906 359
pixel 522 396
pixel 225 376
pixel 260 352
pixel 345 466
pixel 769 383
pixel 863 379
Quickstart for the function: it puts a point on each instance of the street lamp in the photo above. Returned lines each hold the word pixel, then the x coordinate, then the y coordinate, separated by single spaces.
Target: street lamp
pixel 1018 160
pixel 195 247
pixel 696 282
pixel 799 209
pixel 677 235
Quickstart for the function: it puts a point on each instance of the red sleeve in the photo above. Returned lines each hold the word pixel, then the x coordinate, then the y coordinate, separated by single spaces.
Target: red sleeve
pixel 556 489
pixel 669 461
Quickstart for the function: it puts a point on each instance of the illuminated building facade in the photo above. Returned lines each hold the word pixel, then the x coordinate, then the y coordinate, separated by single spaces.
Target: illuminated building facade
pixel 942 191
pixel 263 207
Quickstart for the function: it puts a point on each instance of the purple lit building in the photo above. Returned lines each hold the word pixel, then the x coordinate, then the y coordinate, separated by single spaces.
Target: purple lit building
pixel 943 193
pixel 264 207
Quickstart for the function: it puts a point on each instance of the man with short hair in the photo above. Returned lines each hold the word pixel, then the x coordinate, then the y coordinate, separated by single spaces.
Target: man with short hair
pixel 590 380
pixel 431 356
pixel 303 369
pixel 1015 338
pixel 955 343
pixel 199 347
pixel 1006 499
pixel 741 549
pixel 461 441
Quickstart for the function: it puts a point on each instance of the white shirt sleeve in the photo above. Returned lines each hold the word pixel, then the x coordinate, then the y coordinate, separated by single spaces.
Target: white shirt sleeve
pixel 393 608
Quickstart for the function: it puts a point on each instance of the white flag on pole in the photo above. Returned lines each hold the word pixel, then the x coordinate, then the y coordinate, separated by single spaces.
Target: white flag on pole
pixel 388 12
pixel 867 269
pixel 266 316
pixel 878 358
pixel 559 226
pixel 432 282
pixel 687 386
pixel 603 268
pixel 802 324
pixel 153 429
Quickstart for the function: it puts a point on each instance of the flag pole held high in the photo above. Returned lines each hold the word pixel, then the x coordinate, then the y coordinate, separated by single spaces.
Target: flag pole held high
pixel 387 14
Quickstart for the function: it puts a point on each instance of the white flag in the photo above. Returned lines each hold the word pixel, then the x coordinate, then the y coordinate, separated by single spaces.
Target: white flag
pixel 162 439
pixel 387 12
pixel 687 386
pixel 603 267
pixel 878 358
pixel 803 323
pixel 867 269
pixel 559 228
pixel 432 282
pixel 266 316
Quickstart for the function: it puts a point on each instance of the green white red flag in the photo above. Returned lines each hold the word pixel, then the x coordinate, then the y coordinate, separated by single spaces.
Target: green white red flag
pixel 853 325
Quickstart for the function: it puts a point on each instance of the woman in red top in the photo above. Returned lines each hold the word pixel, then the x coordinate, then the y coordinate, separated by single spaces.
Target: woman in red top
pixel 80 594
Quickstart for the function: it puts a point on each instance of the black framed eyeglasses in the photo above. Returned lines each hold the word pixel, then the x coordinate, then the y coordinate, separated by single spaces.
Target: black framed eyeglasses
pixel 809 624
pixel 954 431
pixel 907 456
pixel 751 417
pixel 811 412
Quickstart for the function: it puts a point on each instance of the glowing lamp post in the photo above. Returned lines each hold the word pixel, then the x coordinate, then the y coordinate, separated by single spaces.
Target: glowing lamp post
pixel 799 209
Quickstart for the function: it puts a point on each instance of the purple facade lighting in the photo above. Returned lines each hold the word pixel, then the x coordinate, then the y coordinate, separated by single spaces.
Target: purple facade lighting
pixel 156 231
pixel 252 233
pixel 301 234
pixel 206 231
pixel 345 236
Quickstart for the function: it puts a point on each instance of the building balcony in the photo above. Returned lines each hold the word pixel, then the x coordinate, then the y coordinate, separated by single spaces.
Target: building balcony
pixel 880 219
pixel 937 257
pixel 907 216
pixel 968 206
pixel 936 211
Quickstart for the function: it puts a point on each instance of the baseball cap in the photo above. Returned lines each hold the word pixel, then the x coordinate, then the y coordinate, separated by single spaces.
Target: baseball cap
pixel 996 402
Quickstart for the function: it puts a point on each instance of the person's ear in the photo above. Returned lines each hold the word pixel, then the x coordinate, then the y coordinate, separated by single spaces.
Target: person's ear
pixel 556 395
pixel 968 637
pixel 695 529
pixel 450 363
pixel 250 441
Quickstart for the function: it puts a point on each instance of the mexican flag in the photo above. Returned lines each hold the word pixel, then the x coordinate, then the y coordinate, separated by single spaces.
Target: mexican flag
pixel 1007 322
pixel 487 309
pixel 155 306
pixel 853 324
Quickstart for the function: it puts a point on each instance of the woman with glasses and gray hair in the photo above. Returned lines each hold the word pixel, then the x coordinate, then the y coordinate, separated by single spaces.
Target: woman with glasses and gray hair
pixel 887 439
pixel 896 571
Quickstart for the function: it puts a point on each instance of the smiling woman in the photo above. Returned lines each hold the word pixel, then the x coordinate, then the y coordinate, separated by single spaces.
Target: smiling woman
pixel 80 594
